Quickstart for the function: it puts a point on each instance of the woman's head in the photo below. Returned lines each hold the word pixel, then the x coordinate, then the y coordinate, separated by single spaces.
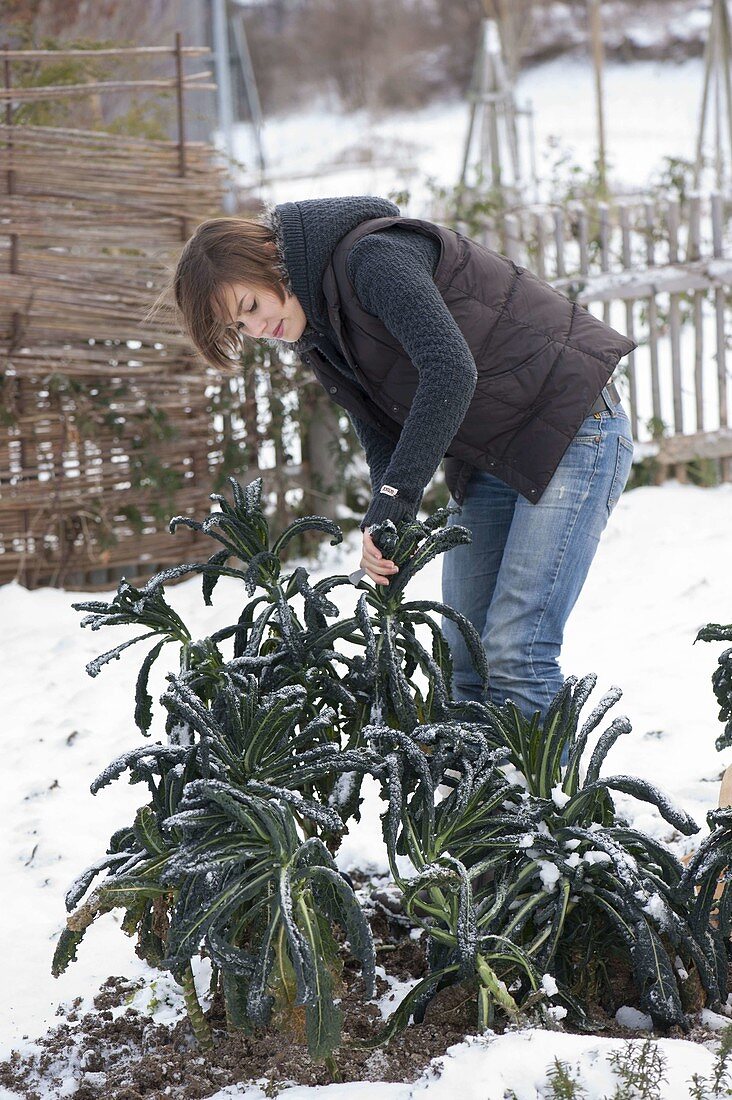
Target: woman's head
pixel 229 284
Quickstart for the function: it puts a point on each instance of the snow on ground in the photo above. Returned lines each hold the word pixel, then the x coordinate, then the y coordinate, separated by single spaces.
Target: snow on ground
pixel 661 572
pixel 652 111
pixel 487 1067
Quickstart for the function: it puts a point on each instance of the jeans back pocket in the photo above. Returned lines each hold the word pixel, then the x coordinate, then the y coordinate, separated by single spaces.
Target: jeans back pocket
pixel 623 466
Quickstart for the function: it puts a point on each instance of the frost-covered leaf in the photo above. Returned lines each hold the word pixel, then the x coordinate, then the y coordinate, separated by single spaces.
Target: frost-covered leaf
pixel 143 700
pixel 65 951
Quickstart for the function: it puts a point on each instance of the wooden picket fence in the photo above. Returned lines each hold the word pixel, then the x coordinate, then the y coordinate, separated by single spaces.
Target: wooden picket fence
pixel 659 270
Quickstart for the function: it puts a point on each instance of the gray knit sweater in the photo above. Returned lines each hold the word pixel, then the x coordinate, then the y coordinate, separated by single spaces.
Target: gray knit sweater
pixel 392 273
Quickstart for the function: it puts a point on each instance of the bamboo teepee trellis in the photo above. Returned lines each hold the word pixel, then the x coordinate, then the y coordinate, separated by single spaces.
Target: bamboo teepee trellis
pixel 492 154
pixel 717 96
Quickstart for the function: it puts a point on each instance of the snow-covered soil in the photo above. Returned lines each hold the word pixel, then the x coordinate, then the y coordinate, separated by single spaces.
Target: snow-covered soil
pixel 662 571
pixel 513 1066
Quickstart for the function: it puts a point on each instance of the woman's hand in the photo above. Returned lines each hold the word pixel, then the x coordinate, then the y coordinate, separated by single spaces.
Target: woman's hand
pixel 373 562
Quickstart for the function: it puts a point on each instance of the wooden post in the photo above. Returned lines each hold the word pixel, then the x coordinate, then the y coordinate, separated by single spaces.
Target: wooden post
pixel 693 252
pixel 725 46
pixel 182 167
pixel 540 245
pixel 598 59
pixel 489 80
pixel 276 428
pixel 323 489
pixel 649 208
pixel 182 170
pixel 492 105
pixel 708 52
pixel 220 31
pixel 629 322
pixel 717 79
pixel 725 789
pixel 718 159
pixel 513 238
pixel 14 243
pixel 16 323
pixel 719 306
pixel 605 251
pixel 559 241
pixel 250 83
pixel 584 252
pixel 672 222
pixel 473 95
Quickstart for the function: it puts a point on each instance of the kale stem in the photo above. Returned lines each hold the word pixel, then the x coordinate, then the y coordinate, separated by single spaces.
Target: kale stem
pixel 332 1066
pixel 199 1023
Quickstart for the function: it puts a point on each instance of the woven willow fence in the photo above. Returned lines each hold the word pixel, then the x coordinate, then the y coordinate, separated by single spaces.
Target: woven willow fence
pixel 108 426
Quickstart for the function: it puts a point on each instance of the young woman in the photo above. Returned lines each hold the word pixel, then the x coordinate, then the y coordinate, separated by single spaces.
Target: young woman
pixel 438 347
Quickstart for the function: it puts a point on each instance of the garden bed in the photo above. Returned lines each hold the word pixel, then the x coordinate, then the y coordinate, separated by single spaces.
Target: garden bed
pixel 122 1052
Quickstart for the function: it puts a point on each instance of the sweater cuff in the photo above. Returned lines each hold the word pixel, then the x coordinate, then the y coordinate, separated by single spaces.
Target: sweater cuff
pixel 384 507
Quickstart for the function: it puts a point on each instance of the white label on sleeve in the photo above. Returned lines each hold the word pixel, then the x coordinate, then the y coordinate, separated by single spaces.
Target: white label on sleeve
pixel 389 490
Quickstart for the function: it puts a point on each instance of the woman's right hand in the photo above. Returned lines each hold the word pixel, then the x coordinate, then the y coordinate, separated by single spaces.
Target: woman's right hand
pixel 374 564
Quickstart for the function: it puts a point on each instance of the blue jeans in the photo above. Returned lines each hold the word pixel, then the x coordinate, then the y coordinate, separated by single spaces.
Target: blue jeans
pixel 520 577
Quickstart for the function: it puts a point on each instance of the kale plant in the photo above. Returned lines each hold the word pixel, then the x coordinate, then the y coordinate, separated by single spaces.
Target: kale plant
pixel 230 850
pixel 593 889
pixel 524 867
pixel 260 770
pixel 721 678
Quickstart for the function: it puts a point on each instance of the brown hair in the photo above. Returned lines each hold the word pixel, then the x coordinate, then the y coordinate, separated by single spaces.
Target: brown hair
pixel 220 252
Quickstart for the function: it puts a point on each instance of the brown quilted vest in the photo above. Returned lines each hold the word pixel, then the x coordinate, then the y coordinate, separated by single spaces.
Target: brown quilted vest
pixel 541 360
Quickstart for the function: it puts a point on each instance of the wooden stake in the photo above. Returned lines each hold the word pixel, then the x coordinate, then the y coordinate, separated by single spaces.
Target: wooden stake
pixel 598 58
pixel 182 167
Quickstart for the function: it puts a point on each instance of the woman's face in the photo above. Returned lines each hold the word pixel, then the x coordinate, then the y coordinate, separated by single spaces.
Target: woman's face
pixel 260 314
